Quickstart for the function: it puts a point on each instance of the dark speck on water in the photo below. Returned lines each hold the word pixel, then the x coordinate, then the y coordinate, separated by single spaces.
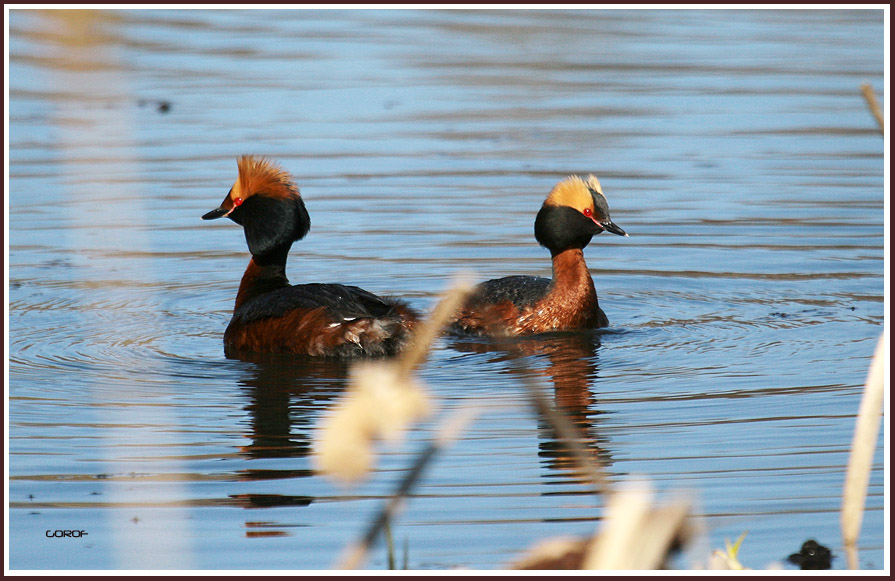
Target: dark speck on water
pixel 160 106
pixel 423 143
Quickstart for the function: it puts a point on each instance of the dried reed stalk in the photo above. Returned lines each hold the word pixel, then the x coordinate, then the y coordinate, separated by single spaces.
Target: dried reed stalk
pixel 399 373
pixel 875 109
pixel 418 350
pixel 354 555
pixel 857 475
pixel 382 399
pixel 635 535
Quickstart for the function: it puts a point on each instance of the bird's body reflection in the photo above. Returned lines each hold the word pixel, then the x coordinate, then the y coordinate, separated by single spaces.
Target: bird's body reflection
pixel 571 366
pixel 285 394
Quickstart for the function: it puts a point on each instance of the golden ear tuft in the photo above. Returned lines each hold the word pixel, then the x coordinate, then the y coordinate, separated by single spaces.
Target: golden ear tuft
pixel 594 184
pixel 573 192
pixel 259 175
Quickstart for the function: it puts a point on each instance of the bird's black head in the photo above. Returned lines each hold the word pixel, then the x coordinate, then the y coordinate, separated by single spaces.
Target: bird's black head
pixel 574 212
pixel 267 204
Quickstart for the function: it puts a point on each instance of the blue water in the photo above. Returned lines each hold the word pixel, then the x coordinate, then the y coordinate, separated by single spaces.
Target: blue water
pixel 733 146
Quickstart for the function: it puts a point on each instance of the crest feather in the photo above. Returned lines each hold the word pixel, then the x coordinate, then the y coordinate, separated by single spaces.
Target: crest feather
pixel 575 192
pixel 259 175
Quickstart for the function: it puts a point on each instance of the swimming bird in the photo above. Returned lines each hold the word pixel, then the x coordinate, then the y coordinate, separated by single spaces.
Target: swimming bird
pixel 575 211
pixel 315 319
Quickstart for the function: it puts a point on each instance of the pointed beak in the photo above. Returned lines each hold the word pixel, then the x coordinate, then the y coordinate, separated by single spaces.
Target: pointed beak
pixel 218 213
pixel 610 226
pixel 227 206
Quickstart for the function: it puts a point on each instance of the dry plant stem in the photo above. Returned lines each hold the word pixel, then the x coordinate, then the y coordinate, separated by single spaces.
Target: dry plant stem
pixel 412 358
pixel 449 431
pixel 390 541
pixel 418 349
pixel 626 515
pixel 870 97
pixel 860 460
pixel 356 553
pixel 635 535
pixel 665 524
pixel 854 494
pixel 559 423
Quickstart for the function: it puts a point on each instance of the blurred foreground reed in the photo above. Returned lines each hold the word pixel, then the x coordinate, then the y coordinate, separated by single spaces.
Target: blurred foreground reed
pixel 860 459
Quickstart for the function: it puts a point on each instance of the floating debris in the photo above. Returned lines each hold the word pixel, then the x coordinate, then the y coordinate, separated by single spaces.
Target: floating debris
pixel 813 556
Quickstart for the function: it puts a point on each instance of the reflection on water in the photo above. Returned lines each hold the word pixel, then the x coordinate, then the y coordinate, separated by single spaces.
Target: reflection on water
pixel 283 394
pixel 270 384
pixel 735 147
pixel 570 368
pixel 286 394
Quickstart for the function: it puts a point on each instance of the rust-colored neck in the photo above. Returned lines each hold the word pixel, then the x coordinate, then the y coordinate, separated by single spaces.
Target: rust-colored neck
pixel 571 280
pixel 258 280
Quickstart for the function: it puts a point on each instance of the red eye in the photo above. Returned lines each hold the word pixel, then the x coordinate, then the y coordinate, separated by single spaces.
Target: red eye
pixel 588 212
pixel 237 202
